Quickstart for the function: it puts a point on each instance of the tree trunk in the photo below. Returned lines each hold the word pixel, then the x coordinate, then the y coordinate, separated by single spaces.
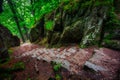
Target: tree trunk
pixel 1 2
pixel 15 18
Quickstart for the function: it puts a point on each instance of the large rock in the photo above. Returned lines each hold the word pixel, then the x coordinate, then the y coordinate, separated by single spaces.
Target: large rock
pixel 81 24
pixel 73 33
pixel 93 25
pixel 7 40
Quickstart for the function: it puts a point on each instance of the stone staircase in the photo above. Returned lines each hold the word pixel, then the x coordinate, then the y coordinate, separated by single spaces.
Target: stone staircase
pixel 74 59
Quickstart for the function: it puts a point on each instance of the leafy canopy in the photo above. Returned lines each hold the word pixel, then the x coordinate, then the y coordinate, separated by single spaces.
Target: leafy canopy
pixel 28 12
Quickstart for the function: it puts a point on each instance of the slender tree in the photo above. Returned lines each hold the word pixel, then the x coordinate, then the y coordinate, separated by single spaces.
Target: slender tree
pixel 16 18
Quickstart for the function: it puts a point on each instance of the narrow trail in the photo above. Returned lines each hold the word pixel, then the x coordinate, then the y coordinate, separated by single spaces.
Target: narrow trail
pixel 102 60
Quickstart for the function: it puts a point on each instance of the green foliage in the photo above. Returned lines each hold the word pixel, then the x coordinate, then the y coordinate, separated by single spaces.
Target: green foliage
pixel 18 66
pixel 29 79
pixel 112 44
pixel 57 67
pixel 49 25
pixel 58 77
pixel 27 12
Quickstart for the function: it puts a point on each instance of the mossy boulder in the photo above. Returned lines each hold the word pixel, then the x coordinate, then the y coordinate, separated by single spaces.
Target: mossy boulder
pixel 73 33
pixel 7 40
pixel 6 37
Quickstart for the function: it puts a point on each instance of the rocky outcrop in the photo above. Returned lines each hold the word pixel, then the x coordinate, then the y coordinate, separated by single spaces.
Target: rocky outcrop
pixel 7 40
pixel 76 21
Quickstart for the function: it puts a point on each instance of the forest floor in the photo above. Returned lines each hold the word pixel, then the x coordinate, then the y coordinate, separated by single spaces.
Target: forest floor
pixel 77 64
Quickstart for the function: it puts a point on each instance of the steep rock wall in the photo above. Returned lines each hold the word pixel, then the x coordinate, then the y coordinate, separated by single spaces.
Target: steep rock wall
pixel 76 21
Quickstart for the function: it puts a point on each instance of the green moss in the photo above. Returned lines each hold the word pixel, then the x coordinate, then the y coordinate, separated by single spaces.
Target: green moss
pixel 49 25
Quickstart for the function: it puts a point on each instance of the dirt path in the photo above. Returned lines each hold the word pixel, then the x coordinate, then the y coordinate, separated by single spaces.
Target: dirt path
pixel 104 62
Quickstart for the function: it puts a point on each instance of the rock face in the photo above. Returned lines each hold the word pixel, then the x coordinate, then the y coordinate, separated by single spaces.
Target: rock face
pixel 7 40
pixel 74 22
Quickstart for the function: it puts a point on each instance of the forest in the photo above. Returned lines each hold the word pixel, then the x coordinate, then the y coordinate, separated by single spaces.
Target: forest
pixel 59 39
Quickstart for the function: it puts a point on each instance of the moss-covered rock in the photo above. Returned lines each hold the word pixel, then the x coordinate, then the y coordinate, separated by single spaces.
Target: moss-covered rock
pixel 7 40
pixel 73 33
pixel 93 25
pixel 76 21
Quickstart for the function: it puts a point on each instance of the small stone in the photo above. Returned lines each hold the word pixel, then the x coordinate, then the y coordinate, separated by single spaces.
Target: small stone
pixel 94 67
